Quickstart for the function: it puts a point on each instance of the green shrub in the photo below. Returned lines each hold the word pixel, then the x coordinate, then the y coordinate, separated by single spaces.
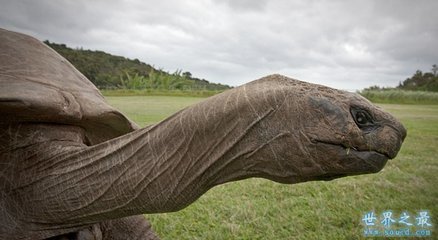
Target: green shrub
pixel 400 96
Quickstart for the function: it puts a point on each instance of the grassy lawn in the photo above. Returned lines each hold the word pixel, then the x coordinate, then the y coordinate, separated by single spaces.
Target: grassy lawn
pixel 146 110
pixel 260 209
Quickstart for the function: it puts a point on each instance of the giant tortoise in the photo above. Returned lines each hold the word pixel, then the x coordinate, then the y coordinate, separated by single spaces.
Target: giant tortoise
pixel 73 167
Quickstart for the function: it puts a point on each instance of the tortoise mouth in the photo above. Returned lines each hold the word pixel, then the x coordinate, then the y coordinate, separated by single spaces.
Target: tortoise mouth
pixel 353 161
pixel 360 153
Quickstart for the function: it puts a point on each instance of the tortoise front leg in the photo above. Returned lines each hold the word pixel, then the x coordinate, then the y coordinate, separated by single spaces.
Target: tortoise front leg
pixel 134 227
pixel 92 232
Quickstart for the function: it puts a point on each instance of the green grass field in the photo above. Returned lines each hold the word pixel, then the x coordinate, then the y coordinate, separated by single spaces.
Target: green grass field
pixel 146 110
pixel 261 209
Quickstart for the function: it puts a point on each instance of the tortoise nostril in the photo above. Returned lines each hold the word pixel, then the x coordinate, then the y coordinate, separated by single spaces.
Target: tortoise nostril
pixel 394 134
pixel 400 130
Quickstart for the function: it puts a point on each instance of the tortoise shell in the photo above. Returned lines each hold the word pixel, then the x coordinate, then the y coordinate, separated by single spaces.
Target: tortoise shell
pixel 37 85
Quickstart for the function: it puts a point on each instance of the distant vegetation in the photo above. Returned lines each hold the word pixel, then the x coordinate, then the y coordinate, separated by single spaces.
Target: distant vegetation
pixel 107 71
pixel 159 92
pixel 421 88
pixel 420 81
pixel 400 96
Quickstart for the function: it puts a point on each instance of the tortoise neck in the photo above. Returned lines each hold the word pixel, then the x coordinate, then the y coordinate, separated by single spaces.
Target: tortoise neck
pixel 165 167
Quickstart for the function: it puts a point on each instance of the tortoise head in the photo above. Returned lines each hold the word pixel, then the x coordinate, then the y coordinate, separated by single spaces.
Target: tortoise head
pixel 331 133
pixel 345 134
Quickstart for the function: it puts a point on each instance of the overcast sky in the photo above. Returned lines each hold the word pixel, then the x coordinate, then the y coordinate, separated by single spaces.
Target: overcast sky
pixel 343 44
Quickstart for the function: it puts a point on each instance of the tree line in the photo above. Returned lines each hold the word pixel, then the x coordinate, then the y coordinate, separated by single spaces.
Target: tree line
pixel 420 81
pixel 107 71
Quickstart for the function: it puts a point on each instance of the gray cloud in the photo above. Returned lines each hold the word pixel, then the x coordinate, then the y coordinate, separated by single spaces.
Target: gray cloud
pixel 343 44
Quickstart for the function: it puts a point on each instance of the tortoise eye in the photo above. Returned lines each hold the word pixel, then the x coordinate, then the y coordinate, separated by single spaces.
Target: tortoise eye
pixel 362 118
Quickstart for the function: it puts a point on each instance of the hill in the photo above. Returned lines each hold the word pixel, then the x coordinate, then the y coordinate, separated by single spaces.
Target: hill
pixel 107 71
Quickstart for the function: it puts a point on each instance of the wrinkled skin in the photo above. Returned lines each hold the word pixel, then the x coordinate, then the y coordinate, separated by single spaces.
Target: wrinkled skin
pixel 55 183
